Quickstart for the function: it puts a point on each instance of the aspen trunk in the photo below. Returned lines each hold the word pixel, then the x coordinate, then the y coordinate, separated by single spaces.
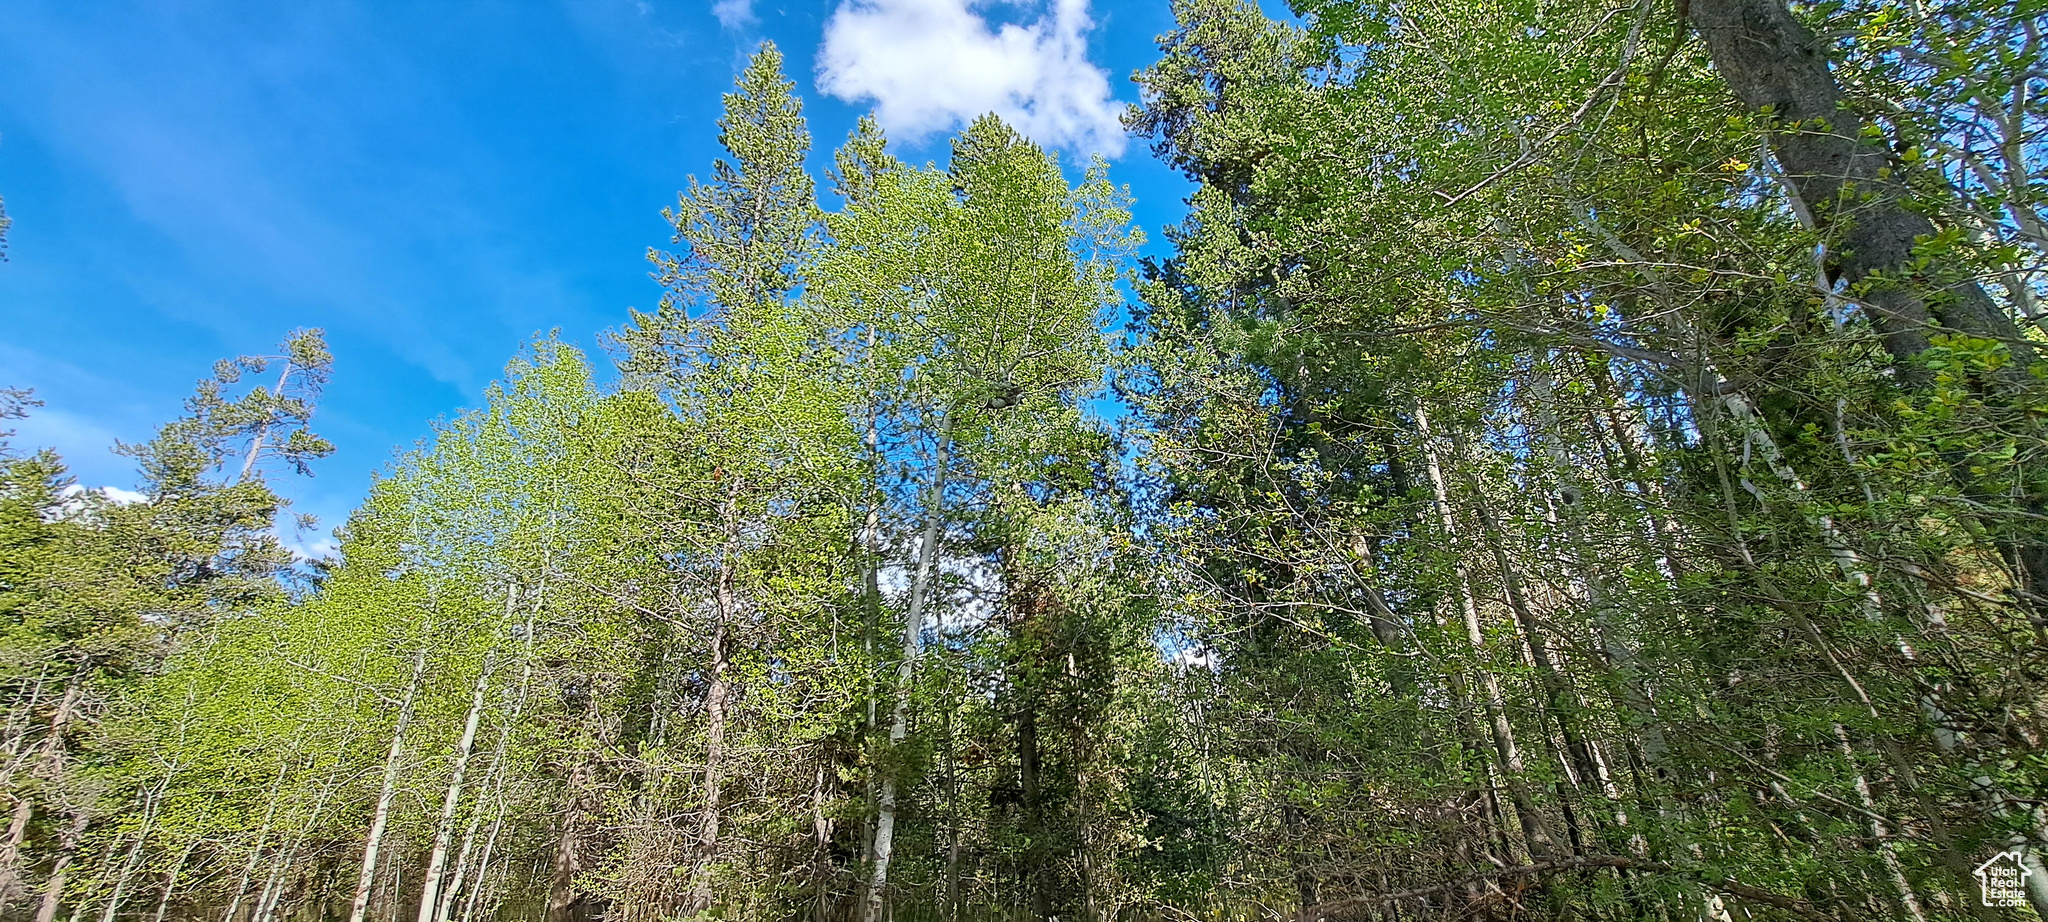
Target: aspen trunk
pixel 1534 829
pixel 49 764
pixel 53 890
pixel 460 871
pixel 821 843
pixel 388 791
pixel 1561 700
pixel 913 632
pixel 496 782
pixel 444 831
pixel 262 839
pixel 2001 805
pixel 483 863
pixel 163 905
pixel 274 887
pixel 1593 586
pixel 869 549
pixel 716 702
pixel 1887 850
pixel 1842 184
pixel 952 824
pixel 134 856
pixel 1756 437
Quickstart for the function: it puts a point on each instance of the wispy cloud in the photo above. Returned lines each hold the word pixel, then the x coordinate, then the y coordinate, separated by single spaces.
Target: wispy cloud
pixel 734 14
pixel 930 65
pixel 310 547
pixel 83 442
pixel 231 152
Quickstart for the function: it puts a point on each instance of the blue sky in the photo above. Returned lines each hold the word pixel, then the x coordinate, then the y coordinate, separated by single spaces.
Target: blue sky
pixel 434 184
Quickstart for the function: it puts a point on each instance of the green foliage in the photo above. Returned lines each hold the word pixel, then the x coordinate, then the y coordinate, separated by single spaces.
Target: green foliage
pixel 1512 513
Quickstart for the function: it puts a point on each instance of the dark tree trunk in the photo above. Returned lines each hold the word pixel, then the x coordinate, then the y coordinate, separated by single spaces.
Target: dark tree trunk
pixel 1034 819
pixel 1772 61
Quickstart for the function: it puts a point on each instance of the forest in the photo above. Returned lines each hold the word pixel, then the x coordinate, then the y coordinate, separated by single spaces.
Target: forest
pixel 1576 461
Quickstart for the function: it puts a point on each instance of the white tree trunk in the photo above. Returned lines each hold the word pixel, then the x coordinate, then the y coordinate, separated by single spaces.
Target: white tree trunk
pixel 496 780
pixel 262 839
pixel 460 872
pixel 273 889
pixel 913 631
pixel 134 856
pixel 263 434
pixel 716 701
pixel 1534 829
pixel 437 860
pixel 53 892
pixel 387 792
pixel 163 906
pixel 49 762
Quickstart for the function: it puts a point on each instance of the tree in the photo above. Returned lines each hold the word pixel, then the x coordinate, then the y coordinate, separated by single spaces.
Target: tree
pixel 1643 401
pixel 974 294
pixel 100 592
pixel 1576 462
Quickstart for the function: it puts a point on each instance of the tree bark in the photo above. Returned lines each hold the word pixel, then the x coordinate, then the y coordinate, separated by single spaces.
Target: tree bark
pixel 716 700
pixel 163 905
pixel 568 860
pixel 1034 814
pixel 262 839
pixel 263 434
pixel 444 832
pixel 1772 61
pixel 1888 850
pixel 1795 907
pixel 495 782
pixel 952 822
pixel 49 764
pixel 53 891
pixel 274 889
pixel 386 793
pixel 1542 845
pixel 913 632
pixel 1841 185
pixel 2000 804
pixel 1559 698
pixel 134 857
pixel 821 841
pixel 459 872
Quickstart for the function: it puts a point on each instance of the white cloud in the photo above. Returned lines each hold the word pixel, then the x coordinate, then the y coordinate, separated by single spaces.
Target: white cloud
pixel 931 65
pixel 317 548
pixel 734 14
pixel 74 503
pixel 122 497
